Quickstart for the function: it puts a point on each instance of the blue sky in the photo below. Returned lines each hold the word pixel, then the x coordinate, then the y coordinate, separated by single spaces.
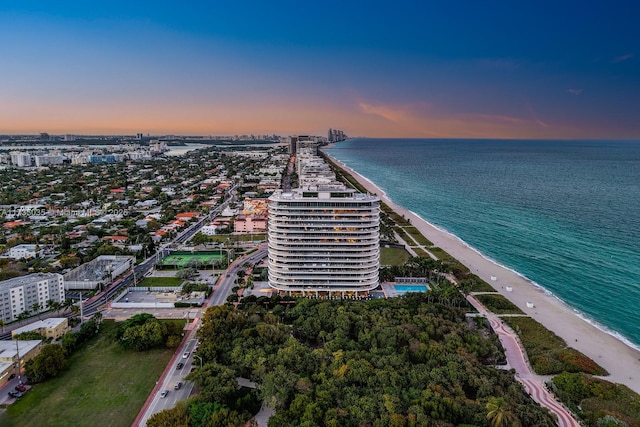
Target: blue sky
pixel 408 69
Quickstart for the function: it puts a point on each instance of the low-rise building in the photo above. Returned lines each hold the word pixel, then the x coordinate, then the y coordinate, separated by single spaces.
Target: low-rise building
pixel 250 224
pixel 97 272
pixel 23 251
pixel 54 328
pixel 14 352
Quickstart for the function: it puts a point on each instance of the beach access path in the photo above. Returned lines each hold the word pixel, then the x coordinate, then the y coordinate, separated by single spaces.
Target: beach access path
pixel 619 359
pixel 516 359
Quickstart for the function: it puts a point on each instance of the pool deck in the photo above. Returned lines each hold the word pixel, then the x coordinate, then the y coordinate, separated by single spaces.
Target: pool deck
pixel 392 289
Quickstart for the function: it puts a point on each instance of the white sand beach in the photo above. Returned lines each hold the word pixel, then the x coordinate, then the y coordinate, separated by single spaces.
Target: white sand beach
pixel 619 359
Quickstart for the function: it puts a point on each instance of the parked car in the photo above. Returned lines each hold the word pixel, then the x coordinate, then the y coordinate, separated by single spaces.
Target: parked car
pixel 15 394
pixel 180 365
pixel 164 393
pixel 178 385
pixel 21 388
pixel 12 376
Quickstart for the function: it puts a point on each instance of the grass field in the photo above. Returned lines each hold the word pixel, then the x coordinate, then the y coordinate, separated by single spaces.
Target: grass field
pixel 393 256
pixel 181 260
pixel 160 281
pixel 231 238
pixel 104 385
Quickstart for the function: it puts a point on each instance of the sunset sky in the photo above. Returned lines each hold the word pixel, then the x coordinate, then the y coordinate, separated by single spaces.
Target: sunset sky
pixel 497 69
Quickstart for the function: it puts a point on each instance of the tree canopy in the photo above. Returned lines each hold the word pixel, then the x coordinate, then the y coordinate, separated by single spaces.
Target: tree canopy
pixel 396 362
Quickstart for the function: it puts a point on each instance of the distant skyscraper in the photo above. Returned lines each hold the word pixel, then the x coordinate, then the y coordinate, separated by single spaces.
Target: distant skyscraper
pixel 336 135
pixel 293 143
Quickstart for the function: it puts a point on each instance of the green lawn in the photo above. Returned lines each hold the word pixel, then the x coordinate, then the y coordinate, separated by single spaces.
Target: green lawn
pixel 104 386
pixel 160 281
pixel 393 256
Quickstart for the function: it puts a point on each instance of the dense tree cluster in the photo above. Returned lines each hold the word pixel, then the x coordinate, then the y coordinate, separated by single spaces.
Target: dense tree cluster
pixel 144 332
pixel 394 362
pixel 71 341
pixel 47 364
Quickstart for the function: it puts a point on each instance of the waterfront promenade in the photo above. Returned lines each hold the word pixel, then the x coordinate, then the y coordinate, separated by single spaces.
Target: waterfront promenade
pixel 516 359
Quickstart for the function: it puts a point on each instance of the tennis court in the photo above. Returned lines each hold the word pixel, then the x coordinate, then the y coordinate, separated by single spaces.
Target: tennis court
pixel 193 259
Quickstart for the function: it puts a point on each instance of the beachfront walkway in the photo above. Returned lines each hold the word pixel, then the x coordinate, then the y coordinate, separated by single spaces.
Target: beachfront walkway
pixel 533 383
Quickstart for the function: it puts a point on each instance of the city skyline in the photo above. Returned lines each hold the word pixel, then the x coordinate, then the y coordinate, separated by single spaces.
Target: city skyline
pixel 462 70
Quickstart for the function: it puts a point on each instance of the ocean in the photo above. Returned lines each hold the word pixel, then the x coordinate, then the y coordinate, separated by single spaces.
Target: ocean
pixel 564 214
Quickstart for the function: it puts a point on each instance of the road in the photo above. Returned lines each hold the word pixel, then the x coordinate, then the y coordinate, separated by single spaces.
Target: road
pixel 171 376
pixel 226 283
pixel 155 403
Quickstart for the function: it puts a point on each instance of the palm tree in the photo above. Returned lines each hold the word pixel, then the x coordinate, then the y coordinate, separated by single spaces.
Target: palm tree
pixel 75 308
pixel 499 414
pixel 24 315
pixel 56 306
pixel 36 308
pixel 68 303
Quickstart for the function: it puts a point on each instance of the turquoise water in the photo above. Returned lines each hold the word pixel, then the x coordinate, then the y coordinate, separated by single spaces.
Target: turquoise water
pixel 565 214
pixel 403 289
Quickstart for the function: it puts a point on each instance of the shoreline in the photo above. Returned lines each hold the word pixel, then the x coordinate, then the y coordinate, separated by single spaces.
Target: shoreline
pixel 620 359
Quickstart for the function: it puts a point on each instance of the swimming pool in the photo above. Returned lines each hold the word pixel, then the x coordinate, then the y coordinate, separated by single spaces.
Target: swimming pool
pixel 403 289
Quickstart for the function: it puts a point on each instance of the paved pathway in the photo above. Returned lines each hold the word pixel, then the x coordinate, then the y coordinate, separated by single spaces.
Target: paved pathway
pixel 516 358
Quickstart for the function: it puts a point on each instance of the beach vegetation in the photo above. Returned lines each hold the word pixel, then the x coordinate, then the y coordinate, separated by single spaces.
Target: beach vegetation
pixel 399 361
pixel 498 304
pixel 475 284
pixel 418 237
pixel 547 352
pixel 596 401
pixel 404 236
pixel 421 253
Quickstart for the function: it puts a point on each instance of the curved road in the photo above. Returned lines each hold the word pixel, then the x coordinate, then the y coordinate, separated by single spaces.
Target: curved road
pixel 533 383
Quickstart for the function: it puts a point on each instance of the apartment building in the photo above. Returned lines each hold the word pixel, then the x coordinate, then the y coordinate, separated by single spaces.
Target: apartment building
pixel 323 237
pixel 20 294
